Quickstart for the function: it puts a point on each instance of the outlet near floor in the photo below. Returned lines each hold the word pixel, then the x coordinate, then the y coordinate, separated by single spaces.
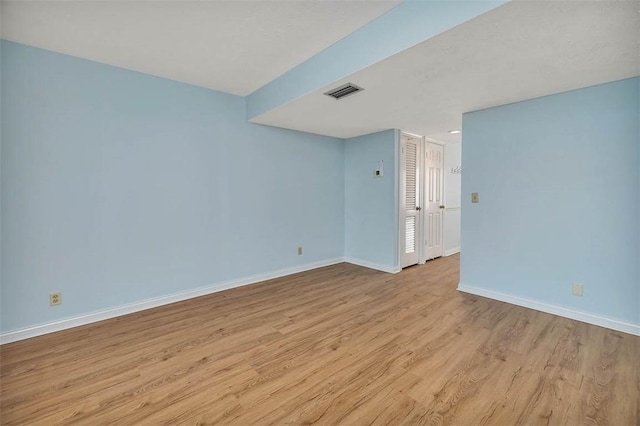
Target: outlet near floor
pixel 55 299
pixel 299 251
pixel 576 289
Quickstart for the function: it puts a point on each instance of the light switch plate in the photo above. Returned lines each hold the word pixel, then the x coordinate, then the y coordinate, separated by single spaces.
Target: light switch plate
pixel 475 198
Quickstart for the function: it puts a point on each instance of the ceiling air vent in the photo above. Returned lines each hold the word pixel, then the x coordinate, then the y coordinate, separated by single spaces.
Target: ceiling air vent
pixel 344 90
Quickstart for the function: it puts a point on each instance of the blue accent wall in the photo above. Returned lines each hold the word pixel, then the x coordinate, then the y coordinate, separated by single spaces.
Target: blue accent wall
pixel 371 218
pixel 119 187
pixel 559 185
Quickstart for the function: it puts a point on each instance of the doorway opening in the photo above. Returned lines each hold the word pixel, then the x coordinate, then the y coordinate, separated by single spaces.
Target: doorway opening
pixel 429 179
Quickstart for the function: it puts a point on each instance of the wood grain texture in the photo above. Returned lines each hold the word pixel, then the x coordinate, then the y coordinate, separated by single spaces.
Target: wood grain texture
pixel 337 345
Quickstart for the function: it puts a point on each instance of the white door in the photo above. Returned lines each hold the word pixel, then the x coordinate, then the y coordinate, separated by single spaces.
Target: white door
pixel 409 198
pixel 434 201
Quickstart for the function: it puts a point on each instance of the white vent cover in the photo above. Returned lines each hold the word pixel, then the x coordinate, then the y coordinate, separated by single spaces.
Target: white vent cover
pixel 344 90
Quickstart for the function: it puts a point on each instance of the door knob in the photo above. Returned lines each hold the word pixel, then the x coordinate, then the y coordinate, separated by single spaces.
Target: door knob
pixel 442 207
pixel 418 208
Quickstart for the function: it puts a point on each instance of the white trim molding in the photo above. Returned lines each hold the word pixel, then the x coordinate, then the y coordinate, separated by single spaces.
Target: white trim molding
pixel 598 320
pixel 371 265
pixel 76 321
pixel 451 251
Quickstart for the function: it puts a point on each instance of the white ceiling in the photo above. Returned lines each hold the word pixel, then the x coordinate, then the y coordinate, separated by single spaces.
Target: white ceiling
pixel 521 50
pixel 231 46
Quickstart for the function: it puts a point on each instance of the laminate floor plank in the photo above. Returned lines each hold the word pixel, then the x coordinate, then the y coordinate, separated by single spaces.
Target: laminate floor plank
pixel 337 345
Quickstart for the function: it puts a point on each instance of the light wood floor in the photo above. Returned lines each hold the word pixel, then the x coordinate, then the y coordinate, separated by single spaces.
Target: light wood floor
pixel 338 345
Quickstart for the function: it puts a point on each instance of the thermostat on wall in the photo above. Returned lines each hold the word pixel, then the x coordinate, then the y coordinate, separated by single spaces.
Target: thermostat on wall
pixel 379 171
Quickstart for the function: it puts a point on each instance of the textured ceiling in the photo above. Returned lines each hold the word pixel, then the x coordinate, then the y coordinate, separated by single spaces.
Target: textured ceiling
pixel 521 50
pixel 231 46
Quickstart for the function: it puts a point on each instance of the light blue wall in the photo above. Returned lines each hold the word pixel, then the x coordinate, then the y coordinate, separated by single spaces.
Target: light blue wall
pixel 559 185
pixel 0 178
pixel 371 224
pixel 119 187
pixel 409 23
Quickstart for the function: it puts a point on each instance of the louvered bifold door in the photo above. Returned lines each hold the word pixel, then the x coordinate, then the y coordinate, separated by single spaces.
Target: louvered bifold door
pixel 410 149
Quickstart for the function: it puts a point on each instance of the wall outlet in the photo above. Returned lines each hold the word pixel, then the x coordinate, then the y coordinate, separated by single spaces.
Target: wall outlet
pixel 299 251
pixel 576 289
pixel 55 299
pixel 475 198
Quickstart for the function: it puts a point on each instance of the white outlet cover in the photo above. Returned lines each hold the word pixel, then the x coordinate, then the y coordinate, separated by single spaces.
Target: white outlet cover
pixel 577 289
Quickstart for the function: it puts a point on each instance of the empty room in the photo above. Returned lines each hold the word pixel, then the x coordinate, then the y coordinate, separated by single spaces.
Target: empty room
pixel 342 212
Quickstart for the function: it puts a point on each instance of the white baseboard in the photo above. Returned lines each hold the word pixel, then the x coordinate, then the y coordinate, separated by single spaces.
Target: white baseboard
pixel 372 265
pixel 451 251
pixel 63 324
pixel 601 321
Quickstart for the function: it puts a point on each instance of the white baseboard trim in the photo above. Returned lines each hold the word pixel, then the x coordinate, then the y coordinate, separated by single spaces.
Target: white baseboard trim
pixel 451 251
pixel 598 320
pixel 63 324
pixel 372 265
